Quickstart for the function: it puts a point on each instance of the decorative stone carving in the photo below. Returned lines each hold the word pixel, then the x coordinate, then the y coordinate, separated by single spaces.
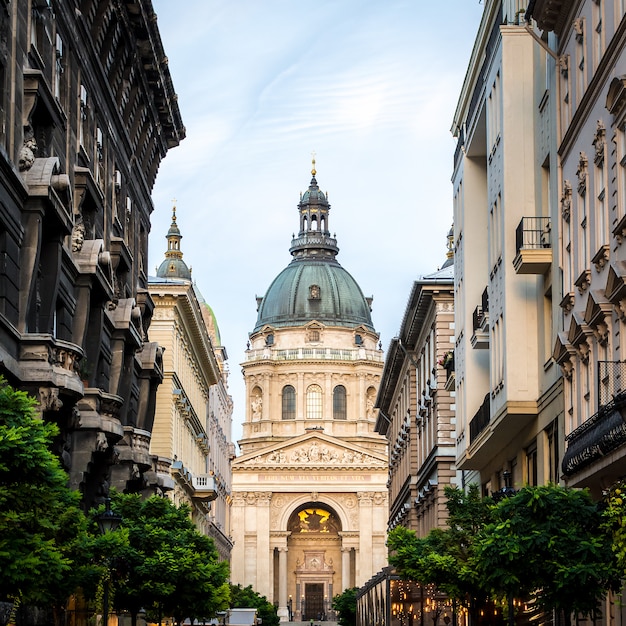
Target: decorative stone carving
pixel 579 29
pixel 27 154
pixel 49 399
pixel 566 201
pixel 581 173
pixel 599 143
pixel 101 442
pixel 78 234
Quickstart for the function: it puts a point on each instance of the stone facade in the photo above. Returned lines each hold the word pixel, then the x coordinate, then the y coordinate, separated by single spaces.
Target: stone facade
pixel 87 111
pixel 309 490
pixel 192 426
pixel 509 405
pixel 416 405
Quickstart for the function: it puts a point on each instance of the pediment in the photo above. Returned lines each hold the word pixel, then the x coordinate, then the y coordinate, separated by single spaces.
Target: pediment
pixel 315 451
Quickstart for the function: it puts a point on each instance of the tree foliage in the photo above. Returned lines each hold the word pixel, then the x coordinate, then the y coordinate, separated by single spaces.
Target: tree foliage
pixel 247 597
pixel 162 563
pixel 548 542
pixel 42 529
pixel 445 556
pixel 345 605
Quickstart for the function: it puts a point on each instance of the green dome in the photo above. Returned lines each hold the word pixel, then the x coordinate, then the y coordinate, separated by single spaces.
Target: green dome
pixel 314 286
pixel 314 290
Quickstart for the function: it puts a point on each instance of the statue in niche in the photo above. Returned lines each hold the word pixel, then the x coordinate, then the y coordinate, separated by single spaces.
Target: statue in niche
pixel 257 407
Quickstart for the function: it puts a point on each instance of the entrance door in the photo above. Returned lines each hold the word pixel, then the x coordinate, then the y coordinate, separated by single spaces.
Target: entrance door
pixel 314 600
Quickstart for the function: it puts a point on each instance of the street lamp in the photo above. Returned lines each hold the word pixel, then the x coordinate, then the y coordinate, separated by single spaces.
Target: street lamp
pixel 108 521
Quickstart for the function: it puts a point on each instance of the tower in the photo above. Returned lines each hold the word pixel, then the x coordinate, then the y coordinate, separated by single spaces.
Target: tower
pixel 309 491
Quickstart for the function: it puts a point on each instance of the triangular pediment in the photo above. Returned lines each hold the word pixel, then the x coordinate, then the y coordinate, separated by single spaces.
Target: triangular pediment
pixel 315 450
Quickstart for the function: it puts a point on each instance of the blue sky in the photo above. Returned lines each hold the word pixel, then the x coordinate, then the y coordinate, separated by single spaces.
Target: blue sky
pixel 369 86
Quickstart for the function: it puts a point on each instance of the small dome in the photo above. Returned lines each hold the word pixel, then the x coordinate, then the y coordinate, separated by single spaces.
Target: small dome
pixel 174 268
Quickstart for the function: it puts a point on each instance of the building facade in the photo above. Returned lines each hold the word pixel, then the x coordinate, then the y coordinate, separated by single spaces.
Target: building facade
pixel 509 401
pixel 193 418
pixel 88 111
pixel 589 41
pixel 416 404
pixel 309 510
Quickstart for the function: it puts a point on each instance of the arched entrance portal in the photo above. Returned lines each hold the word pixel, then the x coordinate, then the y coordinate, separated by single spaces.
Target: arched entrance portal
pixel 314 561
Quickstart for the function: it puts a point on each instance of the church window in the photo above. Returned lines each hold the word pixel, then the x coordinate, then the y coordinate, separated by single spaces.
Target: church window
pixel 314 402
pixel 314 292
pixel 314 335
pixel 339 403
pixel 289 403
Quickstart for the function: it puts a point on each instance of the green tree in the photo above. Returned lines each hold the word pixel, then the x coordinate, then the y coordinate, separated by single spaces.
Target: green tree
pixel 247 597
pixel 42 528
pixel 162 563
pixel 548 542
pixel 345 605
pixel 445 556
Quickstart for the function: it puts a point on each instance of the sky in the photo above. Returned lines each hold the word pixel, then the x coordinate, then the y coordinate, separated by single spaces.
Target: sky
pixel 369 87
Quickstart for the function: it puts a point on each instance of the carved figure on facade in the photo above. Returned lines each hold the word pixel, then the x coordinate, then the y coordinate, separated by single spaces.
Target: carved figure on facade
pixel 78 233
pixel 257 405
pixel 581 173
pixel 314 520
pixel 566 201
pixel 27 153
pixel 599 143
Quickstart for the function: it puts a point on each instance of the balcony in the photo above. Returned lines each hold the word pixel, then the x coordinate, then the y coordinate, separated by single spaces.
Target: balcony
pixel 198 486
pixel 596 441
pixel 480 323
pixel 315 354
pixel 204 487
pixel 480 420
pixel 496 431
pixel 533 240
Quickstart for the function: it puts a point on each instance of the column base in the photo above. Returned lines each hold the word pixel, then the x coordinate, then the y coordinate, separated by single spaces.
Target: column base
pixel 283 613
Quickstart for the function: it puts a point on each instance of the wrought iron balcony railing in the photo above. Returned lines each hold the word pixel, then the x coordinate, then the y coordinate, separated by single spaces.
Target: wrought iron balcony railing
pixel 605 431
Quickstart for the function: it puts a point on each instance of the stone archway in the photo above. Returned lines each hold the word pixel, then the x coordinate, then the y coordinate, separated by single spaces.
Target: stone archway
pixel 314 560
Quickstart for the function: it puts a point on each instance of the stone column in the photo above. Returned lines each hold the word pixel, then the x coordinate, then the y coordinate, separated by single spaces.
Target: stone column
pixel 283 611
pixel 365 565
pixel 345 569
pixel 237 529
pixel 264 562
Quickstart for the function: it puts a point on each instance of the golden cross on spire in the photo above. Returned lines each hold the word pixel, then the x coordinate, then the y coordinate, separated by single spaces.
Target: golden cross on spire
pixel 313 171
pixel 173 209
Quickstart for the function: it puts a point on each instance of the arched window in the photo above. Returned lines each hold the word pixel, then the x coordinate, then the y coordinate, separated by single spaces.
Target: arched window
pixel 289 403
pixel 314 402
pixel 339 403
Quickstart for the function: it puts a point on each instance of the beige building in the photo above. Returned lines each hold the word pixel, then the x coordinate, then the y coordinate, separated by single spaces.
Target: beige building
pixel 589 38
pixel 416 404
pixel 192 424
pixel 509 402
pixel 310 511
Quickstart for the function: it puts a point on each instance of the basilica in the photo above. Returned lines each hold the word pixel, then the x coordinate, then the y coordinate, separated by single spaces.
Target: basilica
pixel 309 489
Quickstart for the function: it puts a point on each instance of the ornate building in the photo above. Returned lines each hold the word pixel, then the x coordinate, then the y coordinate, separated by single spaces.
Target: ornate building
pixel 509 405
pixel 416 404
pixel 309 490
pixel 87 112
pixel 193 418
